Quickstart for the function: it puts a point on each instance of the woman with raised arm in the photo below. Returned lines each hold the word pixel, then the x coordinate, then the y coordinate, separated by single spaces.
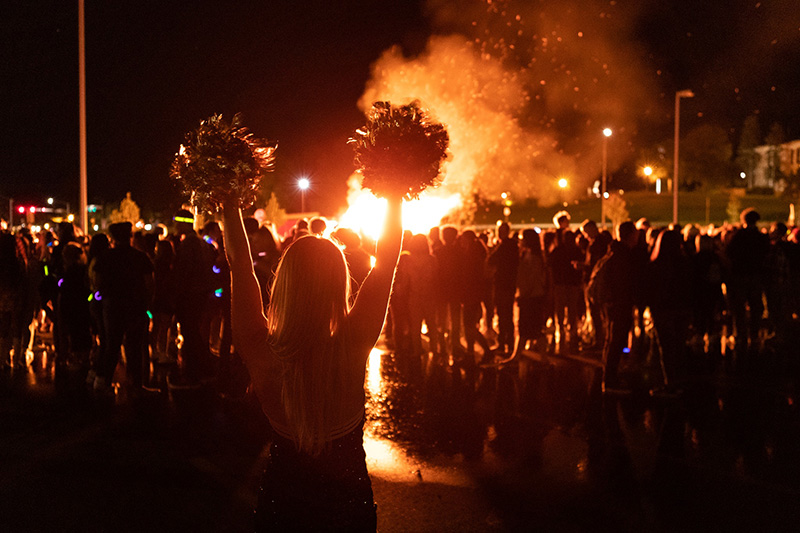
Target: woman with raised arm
pixel 307 359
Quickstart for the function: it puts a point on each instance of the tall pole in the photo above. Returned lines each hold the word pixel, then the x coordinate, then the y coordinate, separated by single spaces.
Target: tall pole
pixel 303 184
pixel 603 192
pixel 678 95
pixel 84 215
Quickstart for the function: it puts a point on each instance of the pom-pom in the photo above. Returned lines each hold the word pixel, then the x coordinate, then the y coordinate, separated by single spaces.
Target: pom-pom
pixel 400 151
pixel 222 160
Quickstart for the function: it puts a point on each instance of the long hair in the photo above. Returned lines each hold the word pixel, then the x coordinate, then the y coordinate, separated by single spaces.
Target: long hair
pixel 306 318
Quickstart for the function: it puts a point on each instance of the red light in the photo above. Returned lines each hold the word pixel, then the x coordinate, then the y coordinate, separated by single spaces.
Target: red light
pixel 21 209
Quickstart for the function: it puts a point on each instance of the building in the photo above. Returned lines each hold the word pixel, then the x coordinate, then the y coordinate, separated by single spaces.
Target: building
pixel 776 166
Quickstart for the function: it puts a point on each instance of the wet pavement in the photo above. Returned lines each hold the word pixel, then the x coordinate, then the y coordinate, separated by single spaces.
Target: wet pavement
pixel 531 444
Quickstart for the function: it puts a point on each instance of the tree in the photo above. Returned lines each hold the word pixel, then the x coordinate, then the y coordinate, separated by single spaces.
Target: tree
pixel 746 155
pixel 273 212
pixel 616 209
pixel 128 212
pixel 774 139
pixel 705 157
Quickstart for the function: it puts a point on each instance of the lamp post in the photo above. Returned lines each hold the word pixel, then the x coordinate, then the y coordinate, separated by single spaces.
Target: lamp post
pixel 648 171
pixel 82 116
pixel 303 184
pixel 606 134
pixel 678 95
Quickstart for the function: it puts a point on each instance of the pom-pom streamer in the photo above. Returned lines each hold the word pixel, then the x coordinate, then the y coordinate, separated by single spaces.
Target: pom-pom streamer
pixel 220 160
pixel 400 150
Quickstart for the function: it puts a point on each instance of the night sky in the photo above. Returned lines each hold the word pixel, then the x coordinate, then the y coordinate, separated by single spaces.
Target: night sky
pixel 296 70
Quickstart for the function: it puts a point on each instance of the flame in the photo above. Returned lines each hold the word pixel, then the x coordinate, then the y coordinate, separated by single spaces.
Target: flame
pixel 366 212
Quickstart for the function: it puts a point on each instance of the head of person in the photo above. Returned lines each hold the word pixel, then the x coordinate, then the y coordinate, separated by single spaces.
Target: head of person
pixel 310 294
pixel 418 245
pixel 778 231
pixel 72 255
pixel 531 241
pixel 561 220
pixel 669 246
pixel 213 231
pixel 749 217
pixel 467 238
pixel 98 244
pixel 250 225
pixel 317 225
pixel 184 222
pixel 503 231
pixel 433 234
pixel 121 233
pixel 66 232
pixel 262 241
pixel 165 252
pixel 348 238
pixel 589 229
pixel 628 234
pixel 704 243
pixel 449 235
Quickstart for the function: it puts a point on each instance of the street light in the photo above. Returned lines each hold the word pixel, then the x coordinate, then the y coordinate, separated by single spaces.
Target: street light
pixel 678 95
pixel 606 134
pixel 303 184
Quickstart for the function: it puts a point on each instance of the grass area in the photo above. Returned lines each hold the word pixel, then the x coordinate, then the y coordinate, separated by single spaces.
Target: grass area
pixel 698 207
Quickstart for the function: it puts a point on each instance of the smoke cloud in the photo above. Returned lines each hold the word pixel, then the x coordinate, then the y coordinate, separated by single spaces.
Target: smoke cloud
pixel 525 91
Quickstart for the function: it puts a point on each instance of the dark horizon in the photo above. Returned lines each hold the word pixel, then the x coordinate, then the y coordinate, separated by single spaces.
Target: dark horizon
pixel 297 71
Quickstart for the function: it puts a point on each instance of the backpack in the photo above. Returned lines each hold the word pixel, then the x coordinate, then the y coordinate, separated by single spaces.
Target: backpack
pixel 599 289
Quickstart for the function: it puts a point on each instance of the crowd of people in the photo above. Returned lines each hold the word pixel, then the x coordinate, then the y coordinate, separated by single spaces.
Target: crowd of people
pixel 165 297
pixel 578 288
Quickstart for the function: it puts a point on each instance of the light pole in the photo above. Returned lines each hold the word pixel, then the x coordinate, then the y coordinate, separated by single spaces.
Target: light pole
pixel 678 95
pixel 606 134
pixel 82 116
pixel 303 184
pixel 648 171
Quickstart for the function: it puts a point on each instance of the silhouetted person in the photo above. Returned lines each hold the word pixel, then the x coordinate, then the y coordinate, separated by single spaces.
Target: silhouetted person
pixel 307 357
pixel 531 282
pixel 707 278
pixel 72 307
pixel 358 260
pixel 163 307
pixel 613 287
pixel 193 291
pixel 564 260
pixel 12 274
pixel 747 252
pixel 450 263
pixel 597 248
pixel 503 262
pixel 424 275
pixel 474 261
pixel 125 281
pixel 669 297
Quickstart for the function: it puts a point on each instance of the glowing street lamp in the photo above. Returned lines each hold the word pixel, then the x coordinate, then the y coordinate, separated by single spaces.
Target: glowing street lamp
pixel 563 183
pixel 606 134
pixel 303 184
pixel 678 95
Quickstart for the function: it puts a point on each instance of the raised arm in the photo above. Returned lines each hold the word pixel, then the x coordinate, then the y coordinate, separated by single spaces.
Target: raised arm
pixel 369 310
pixel 247 311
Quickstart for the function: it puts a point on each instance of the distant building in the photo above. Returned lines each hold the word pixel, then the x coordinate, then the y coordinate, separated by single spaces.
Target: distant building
pixel 775 166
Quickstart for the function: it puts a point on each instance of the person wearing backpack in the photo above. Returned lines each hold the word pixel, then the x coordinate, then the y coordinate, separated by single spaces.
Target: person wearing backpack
pixel 613 288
